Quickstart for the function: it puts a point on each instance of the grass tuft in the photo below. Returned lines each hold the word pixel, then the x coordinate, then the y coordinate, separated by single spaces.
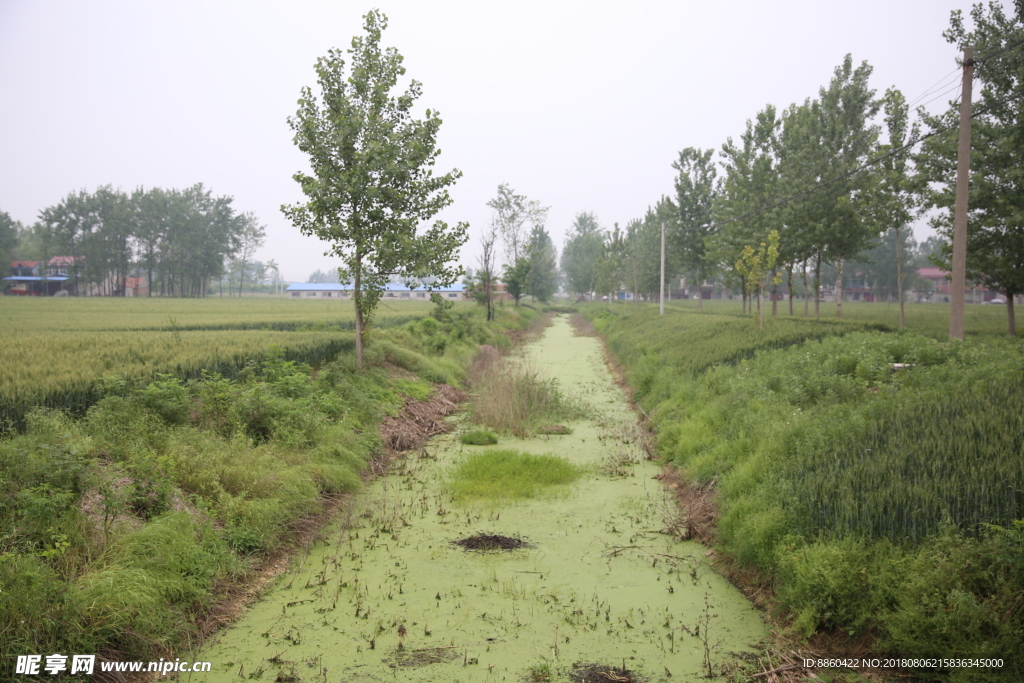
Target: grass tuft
pixel 479 437
pixel 510 474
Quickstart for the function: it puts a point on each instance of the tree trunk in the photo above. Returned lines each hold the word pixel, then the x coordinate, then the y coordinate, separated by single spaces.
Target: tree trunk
pixel 743 293
pixel 839 287
pixel 357 280
pixel 807 299
pixel 1009 314
pixel 241 278
pixel 817 286
pixel 775 291
pixel 760 309
pixel 636 290
pixel 789 285
pixel 899 278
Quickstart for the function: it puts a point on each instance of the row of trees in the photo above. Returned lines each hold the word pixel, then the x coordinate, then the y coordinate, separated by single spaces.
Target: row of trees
pixel 181 241
pixel 836 187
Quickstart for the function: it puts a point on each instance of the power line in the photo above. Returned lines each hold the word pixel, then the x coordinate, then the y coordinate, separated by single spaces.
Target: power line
pixel 943 82
pixel 954 88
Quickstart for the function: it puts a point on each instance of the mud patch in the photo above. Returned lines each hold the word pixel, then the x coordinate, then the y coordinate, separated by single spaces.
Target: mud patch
pixel 407 659
pixel 601 673
pixel 491 542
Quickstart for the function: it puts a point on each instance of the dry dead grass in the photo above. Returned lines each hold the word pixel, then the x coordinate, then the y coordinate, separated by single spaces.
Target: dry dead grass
pixel 486 359
pixel 420 420
pixel 581 326
pixel 513 398
pixel 698 510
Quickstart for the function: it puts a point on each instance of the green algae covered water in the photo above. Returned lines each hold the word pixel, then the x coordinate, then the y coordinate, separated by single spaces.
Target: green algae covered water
pixel 597 586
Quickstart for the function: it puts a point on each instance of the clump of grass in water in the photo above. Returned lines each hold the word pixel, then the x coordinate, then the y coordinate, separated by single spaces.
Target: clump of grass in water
pixel 554 429
pixel 514 399
pixel 506 473
pixel 479 437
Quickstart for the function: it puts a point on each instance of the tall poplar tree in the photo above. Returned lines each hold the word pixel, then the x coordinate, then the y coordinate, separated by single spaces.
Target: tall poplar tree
pixel 696 189
pixel 581 253
pixel 372 181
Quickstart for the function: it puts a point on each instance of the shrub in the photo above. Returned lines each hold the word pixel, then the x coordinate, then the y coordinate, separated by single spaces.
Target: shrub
pixel 168 398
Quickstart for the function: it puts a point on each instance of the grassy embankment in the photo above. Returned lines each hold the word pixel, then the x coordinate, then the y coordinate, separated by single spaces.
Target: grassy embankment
pixel 877 502
pixel 119 529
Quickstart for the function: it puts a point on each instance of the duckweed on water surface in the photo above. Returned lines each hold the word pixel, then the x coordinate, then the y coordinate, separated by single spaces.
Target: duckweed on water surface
pixel 389 596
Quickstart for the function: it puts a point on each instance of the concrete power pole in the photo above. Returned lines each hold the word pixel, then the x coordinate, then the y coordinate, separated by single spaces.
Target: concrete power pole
pixel 662 297
pixel 963 171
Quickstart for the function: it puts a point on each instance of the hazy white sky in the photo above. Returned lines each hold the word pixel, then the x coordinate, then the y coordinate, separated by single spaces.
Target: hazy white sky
pixel 581 105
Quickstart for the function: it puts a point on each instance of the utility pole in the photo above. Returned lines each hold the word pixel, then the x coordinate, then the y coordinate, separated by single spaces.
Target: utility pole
pixel 662 297
pixel 963 171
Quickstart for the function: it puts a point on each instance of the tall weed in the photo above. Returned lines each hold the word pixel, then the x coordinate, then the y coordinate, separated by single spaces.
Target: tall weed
pixel 516 399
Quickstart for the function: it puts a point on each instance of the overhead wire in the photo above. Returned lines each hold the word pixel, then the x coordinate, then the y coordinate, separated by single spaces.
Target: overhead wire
pixel 949 79
pixel 947 92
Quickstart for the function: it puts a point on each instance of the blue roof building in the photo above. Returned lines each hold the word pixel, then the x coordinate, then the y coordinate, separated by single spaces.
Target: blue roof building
pixel 392 291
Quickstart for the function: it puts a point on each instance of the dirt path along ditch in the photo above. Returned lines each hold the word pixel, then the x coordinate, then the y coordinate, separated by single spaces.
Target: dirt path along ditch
pixel 408 585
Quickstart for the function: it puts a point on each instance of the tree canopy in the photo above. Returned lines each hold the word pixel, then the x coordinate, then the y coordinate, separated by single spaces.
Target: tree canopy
pixel 581 253
pixel 514 217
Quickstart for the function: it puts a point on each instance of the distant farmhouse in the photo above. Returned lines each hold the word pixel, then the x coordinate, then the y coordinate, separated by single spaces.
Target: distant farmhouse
pixel 60 276
pixel 937 287
pixel 55 277
pixel 392 291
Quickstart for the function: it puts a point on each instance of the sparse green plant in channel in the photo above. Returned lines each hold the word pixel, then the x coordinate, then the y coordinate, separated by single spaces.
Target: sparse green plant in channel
pixel 511 474
pixel 540 672
pixel 479 437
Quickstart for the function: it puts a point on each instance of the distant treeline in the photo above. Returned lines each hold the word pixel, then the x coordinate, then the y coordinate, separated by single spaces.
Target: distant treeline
pixel 179 241
pixel 827 190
